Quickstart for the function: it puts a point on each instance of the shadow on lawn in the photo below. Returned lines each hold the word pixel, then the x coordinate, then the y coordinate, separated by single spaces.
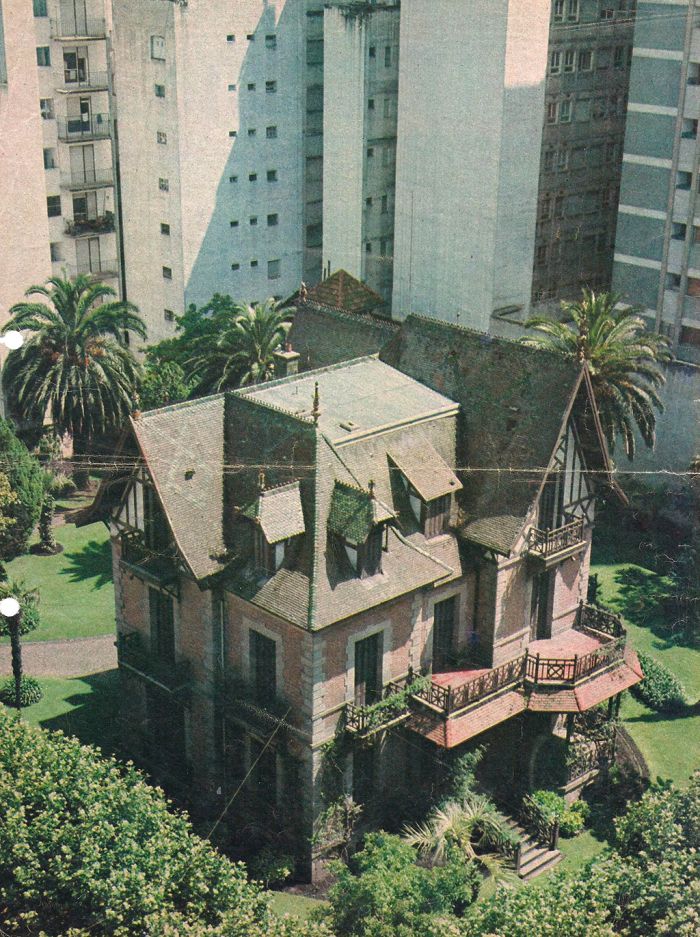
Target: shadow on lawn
pixel 94 719
pixel 648 599
pixel 93 561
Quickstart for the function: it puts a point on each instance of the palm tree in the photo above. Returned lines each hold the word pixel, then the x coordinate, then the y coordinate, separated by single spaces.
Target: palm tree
pixel 471 825
pixel 624 360
pixel 75 365
pixel 242 350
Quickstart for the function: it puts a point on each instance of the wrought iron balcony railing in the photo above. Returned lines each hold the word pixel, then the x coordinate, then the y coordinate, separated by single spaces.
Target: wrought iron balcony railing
pixel 599 620
pixel 74 129
pixel 133 653
pixel 78 27
pixel 100 224
pixel 390 710
pixel 560 671
pixel 75 79
pixel 87 179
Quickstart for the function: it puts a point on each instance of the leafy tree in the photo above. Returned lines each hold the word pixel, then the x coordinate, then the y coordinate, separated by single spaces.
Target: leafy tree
pixel 385 893
pixel 76 364
pixel 87 848
pixel 196 323
pixel 624 360
pixel 26 481
pixel 162 384
pixel 241 350
pixel 47 541
pixel 15 627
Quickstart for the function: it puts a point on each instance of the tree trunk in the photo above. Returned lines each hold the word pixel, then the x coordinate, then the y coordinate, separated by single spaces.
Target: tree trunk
pixel 81 471
pixel 14 627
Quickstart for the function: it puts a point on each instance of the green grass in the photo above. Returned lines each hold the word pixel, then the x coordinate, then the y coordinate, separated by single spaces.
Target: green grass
pixel 75 586
pixel 295 905
pixel 669 744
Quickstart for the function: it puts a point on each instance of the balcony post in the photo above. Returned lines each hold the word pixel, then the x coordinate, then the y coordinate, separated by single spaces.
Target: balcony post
pixel 537 669
pixel 575 666
pixel 448 704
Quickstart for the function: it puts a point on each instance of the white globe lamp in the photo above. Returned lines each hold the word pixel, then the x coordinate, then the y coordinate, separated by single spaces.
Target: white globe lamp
pixel 9 607
pixel 13 340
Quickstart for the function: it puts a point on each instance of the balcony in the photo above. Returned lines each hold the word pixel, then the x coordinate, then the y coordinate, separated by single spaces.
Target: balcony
pixel 134 655
pixel 154 566
pixel 77 80
pixel 265 711
pixel 77 129
pixel 392 709
pixel 87 179
pixel 96 269
pixel 548 547
pixel 70 28
pixel 100 224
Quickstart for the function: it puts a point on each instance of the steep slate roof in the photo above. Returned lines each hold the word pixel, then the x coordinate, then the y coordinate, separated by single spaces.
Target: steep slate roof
pixel 279 512
pixel 354 513
pixel 425 470
pixel 342 291
pixel 175 441
pixel 325 336
pixel 513 402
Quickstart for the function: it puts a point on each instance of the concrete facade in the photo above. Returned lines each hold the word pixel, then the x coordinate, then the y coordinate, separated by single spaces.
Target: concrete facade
pixel 469 129
pixel 359 141
pixel 657 264
pixel 221 188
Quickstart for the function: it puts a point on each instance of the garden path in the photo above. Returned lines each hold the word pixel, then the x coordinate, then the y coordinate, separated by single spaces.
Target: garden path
pixel 73 657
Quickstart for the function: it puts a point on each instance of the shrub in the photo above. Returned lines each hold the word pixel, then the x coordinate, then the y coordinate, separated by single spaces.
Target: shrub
pixel 87 844
pixel 61 485
pixel 48 449
pixel 29 604
pixel 574 818
pixel 542 809
pixel 660 689
pixel 271 867
pixel 26 481
pixel 30 692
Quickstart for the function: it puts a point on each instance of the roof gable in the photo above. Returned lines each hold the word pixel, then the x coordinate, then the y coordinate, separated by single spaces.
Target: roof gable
pixel 342 291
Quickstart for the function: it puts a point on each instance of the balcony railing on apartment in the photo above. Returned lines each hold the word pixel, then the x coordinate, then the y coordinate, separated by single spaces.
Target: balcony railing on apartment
pixel 451 699
pixel 74 79
pixel 133 653
pixel 96 268
pixel 87 179
pixel 552 544
pixel 100 224
pixel 73 129
pixel 78 28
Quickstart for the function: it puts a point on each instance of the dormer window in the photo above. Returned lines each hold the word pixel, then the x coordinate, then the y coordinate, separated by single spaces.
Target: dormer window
pixel 429 484
pixel 358 521
pixel 279 519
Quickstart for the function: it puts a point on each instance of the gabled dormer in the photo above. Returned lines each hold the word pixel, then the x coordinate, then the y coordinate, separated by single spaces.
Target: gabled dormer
pixel 429 484
pixel 358 523
pixel 278 519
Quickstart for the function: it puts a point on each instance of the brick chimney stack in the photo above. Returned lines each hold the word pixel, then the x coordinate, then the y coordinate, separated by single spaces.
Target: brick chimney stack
pixel 286 362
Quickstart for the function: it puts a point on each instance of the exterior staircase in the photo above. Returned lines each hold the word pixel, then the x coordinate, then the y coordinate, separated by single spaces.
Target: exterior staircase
pixel 534 858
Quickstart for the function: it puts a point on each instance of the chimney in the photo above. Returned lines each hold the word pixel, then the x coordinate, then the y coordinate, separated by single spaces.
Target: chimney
pixel 286 361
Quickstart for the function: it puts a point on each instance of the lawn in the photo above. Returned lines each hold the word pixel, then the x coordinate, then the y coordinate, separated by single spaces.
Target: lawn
pixel 296 905
pixel 75 586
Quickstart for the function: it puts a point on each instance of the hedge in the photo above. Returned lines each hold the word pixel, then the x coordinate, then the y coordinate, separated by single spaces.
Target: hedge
pixel 88 847
pixel 660 689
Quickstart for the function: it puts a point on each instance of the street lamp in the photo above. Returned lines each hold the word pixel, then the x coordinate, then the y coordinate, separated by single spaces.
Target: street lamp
pixel 13 340
pixel 10 609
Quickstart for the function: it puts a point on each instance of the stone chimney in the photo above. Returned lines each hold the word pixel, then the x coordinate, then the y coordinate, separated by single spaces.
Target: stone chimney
pixel 286 361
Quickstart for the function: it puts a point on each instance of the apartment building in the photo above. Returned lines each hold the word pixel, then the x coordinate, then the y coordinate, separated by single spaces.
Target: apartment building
pixel 590 51
pixel 657 261
pixel 220 133
pixel 72 64
pixel 361 83
pixel 263 614
pixel 24 223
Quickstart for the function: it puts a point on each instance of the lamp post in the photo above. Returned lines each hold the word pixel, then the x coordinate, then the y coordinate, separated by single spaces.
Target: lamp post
pixel 10 609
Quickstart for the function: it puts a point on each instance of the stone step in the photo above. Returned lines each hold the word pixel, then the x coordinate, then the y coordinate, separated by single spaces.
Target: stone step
pixel 540 863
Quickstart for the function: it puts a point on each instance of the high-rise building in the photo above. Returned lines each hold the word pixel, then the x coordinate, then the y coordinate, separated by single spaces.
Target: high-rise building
pixel 657 257
pixel 24 226
pixel 590 50
pixel 361 83
pixel 220 129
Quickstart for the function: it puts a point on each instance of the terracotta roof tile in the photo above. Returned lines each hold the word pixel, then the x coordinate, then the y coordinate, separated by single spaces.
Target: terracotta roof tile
pixel 453 731
pixel 342 291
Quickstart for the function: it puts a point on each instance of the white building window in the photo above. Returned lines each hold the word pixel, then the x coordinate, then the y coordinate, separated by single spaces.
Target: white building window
pixel 158 48
pixel 565 112
pixel 159 90
pixel 585 60
pixel 572 11
pixel 167 273
pixel 558 11
pixel 271 41
pixel 161 136
pixel 43 55
pixel 551 112
pixel 569 60
pixel 555 63
pixel 271 133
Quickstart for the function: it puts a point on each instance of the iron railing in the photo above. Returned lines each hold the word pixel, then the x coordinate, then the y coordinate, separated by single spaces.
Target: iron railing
pixel 74 129
pixel 78 28
pixel 132 652
pixel 101 224
pixel 87 179
pixel 96 268
pixel 546 543
pixel 75 79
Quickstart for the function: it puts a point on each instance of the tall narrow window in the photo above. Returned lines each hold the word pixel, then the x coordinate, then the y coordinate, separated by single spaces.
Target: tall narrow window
pixel 263 666
pixel 162 615
pixel 368 669
pixel 444 616
pixel 43 55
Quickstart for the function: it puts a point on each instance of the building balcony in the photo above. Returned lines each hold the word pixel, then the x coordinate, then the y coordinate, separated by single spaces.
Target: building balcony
pixel 391 710
pixel 548 547
pixel 151 565
pixel 96 269
pixel 572 672
pixel 71 28
pixel 76 80
pixel 100 224
pixel 238 697
pixel 87 179
pixel 175 676
pixel 77 129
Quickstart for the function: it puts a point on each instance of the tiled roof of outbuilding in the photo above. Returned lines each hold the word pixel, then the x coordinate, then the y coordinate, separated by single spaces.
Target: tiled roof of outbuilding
pixel 342 291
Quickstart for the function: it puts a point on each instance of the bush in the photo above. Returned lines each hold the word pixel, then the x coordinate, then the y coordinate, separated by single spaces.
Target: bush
pixel 30 692
pixel 48 449
pixel 660 689
pixel 543 808
pixel 87 844
pixel 574 818
pixel 26 479
pixel 271 867
pixel 29 603
pixel 62 485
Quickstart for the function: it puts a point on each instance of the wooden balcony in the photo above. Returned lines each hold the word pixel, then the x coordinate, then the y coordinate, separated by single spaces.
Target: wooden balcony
pixel 451 692
pixel 134 655
pixel 392 709
pixel 159 568
pixel 546 548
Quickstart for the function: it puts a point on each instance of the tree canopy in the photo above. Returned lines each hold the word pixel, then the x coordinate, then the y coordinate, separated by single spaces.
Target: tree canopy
pixel 22 504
